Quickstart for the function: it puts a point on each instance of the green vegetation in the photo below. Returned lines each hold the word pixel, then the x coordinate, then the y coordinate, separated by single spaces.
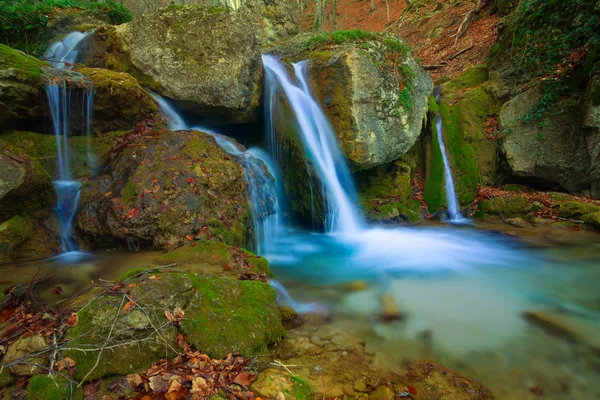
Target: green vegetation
pixel 24 22
pixel 338 37
pixel 42 387
pixel 28 68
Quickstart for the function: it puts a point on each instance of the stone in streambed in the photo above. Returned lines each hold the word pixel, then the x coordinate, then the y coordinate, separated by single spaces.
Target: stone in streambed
pixel 272 382
pixel 568 326
pixel 390 311
pixel 592 219
pixel 24 349
pixel 576 209
pixel 382 393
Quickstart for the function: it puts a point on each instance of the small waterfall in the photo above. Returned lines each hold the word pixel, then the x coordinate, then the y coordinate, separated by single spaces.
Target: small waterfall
pixel 265 191
pixel 321 146
pixel 285 299
pixel 61 100
pixel 454 214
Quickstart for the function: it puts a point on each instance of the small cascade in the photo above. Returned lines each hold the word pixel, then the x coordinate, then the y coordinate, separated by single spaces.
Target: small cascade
pixel 321 146
pixel 454 215
pixel 285 299
pixel 62 101
pixel 265 192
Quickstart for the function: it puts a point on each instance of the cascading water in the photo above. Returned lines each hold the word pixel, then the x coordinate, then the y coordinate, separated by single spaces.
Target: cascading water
pixel 265 192
pixel 321 147
pixel 61 100
pixel 454 214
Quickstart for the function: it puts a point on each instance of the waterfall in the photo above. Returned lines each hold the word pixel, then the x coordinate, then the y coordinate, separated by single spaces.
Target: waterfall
pixel 321 147
pixel 454 214
pixel 265 193
pixel 61 100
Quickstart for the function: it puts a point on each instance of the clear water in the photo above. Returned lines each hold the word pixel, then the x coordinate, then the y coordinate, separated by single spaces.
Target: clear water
pixel 61 103
pixel 454 215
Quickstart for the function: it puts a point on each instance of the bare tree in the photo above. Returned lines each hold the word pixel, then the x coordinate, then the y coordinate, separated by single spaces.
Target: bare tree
pixel 318 14
pixel 372 6
pixel 324 15
pixel 335 15
pixel 387 6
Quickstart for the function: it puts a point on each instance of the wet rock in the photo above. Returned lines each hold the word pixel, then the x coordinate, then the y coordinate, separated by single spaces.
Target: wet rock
pixel 348 390
pixel 290 317
pixel 22 353
pixel 119 101
pixel 205 58
pixel 376 109
pixel 273 20
pixel 506 207
pixel 576 209
pixel 21 105
pixel 360 386
pixel 272 382
pixel 518 222
pixel 26 239
pixel 163 177
pixel 568 326
pixel 390 311
pixel 382 393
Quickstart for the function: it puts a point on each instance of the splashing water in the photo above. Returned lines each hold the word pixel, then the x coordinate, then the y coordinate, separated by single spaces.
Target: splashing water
pixel 321 147
pixel 61 100
pixel 454 214
pixel 264 191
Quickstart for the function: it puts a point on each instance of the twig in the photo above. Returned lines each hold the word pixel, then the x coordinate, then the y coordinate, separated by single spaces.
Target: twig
pixel 461 52
pixel 277 362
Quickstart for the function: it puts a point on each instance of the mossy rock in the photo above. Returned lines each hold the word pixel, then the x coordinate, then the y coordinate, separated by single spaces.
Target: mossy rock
pixel 26 239
pixel 506 207
pixel 6 378
pixel 272 381
pixel 21 103
pixel 227 316
pixel 516 188
pixel 592 219
pixel 576 209
pixel 42 149
pixel 162 177
pixel 42 387
pixel 119 100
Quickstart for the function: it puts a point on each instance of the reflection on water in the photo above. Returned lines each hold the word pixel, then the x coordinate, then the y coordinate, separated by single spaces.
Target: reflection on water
pixel 463 292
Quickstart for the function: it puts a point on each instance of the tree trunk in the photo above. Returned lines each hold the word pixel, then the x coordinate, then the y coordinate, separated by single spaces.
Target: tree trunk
pixel 372 6
pixel 324 15
pixel 335 16
pixel 387 6
pixel 318 14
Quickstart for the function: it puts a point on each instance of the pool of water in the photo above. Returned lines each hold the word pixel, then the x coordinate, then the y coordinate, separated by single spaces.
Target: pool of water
pixel 462 292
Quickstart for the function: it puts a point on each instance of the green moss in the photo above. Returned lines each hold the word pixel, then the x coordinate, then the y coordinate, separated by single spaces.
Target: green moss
pixel 42 387
pixel 232 315
pixel 338 37
pixel 28 67
pixel 6 378
pixel 130 192
pixel 506 207
pixel 433 191
pixel 205 251
pixel 131 273
pixel 575 209
pixel 515 187
pixel 473 77
pixel 300 389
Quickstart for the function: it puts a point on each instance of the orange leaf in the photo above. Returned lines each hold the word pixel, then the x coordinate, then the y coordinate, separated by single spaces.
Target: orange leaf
pixel 132 213
pixel 129 306
pixel 189 237
pixel 73 320
pixel 244 379
pixel 107 194
pixel 154 278
pixel 132 285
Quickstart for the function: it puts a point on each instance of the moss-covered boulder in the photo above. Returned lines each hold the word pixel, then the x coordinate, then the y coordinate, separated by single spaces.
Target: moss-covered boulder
pixel 219 316
pixel 25 239
pixel 575 209
pixel 119 100
pixel 273 20
pixel 85 157
pixel 272 382
pixel 371 88
pixel 465 106
pixel 592 219
pixel 24 355
pixel 165 189
pixel 505 207
pixel 205 58
pixel 21 104
pixel 25 188
pixel 43 387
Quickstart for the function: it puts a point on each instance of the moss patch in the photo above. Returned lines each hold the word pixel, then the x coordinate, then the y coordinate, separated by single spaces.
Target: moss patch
pixel 42 387
pixel 28 67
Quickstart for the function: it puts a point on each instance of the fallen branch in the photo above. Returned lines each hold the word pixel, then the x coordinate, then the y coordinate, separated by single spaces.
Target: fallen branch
pixel 434 66
pixel 461 52
pixel 464 25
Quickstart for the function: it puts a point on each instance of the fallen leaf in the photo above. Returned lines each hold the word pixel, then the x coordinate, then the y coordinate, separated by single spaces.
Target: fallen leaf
pixel 57 291
pixel 133 212
pixel 107 194
pixel 244 379
pixel 73 320
pixel 134 380
pixel 198 385
pixel 129 306
pixel 154 278
pixel 132 285
pixel 189 237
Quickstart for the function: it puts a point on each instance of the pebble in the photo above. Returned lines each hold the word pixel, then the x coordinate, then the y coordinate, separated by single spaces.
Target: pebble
pixel 360 386
pixel 348 390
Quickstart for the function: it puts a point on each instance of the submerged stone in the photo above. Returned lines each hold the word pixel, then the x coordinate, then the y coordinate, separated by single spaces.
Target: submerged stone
pixel 592 219
pixel 272 382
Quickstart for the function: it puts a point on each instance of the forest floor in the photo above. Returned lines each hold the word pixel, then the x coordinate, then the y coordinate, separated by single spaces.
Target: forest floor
pixel 429 27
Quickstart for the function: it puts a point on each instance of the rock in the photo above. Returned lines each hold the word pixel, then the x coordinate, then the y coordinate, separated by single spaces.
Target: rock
pixel 24 349
pixel 25 188
pixel 272 382
pixel 592 219
pixel 575 209
pixel 360 386
pixel 435 382
pixel 163 177
pixel 372 90
pixel 389 308
pixel 568 326
pixel 21 105
pixel 221 316
pixel 289 317
pixel 119 101
pixel 382 393
pixel 506 207
pixel 27 239
pixel 205 58
pixel 273 20
pixel 557 153
pixel 518 222
pixel 63 22
pixel 348 390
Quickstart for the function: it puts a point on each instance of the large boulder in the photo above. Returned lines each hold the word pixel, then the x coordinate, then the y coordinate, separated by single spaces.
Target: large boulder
pixel 371 88
pixel 557 153
pixel 27 239
pixel 25 188
pixel 119 100
pixel 273 19
pixel 207 59
pixel 165 188
pixel 20 84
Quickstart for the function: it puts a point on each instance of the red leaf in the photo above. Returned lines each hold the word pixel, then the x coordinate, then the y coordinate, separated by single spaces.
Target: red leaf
pixel 244 379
